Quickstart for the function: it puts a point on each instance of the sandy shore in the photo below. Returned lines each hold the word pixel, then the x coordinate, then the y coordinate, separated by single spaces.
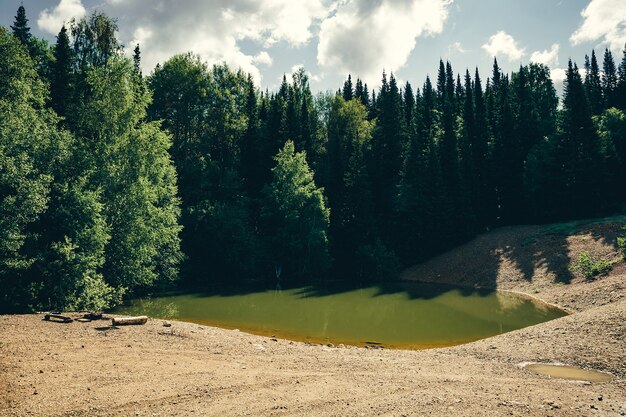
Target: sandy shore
pixel 88 369
pixel 52 369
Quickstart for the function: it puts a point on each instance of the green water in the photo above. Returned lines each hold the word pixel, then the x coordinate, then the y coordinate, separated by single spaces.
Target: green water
pixel 400 316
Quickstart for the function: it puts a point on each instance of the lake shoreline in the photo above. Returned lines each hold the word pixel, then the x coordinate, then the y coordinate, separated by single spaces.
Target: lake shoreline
pixel 83 369
pixel 395 315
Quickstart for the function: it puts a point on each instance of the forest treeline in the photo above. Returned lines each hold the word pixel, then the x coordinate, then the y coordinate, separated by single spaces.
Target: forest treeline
pixel 113 183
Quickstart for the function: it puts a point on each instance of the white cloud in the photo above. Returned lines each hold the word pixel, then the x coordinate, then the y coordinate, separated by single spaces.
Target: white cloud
pixel 365 37
pixel 456 48
pixel 558 75
pixel 549 58
pixel 604 20
pixel 215 30
pixel 263 58
pixel 503 44
pixel 52 21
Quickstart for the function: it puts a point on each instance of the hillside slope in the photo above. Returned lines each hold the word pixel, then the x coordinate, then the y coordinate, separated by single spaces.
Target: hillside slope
pixel 535 260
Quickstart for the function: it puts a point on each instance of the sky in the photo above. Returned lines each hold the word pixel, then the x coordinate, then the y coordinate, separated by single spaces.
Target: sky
pixel 331 38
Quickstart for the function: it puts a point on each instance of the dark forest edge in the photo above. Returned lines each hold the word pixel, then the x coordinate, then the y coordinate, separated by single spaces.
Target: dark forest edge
pixel 114 184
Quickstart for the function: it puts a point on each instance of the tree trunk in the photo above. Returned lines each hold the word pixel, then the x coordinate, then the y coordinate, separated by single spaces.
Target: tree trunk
pixel 122 321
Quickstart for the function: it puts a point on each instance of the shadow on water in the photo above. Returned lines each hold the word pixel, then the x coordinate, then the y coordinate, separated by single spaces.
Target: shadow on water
pixel 413 290
pixel 472 268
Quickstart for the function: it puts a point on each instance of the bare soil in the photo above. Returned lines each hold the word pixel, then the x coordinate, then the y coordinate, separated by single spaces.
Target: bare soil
pixel 91 369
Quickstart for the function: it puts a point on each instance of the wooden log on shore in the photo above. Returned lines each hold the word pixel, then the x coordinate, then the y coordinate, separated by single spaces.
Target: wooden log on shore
pixel 93 315
pixel 58 318
pixel 123 321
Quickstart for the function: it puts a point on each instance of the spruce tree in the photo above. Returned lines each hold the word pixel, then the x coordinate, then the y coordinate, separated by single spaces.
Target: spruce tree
pixel 468 174
pixel 60 84
pixel 579 152
pixel 408 103
pixel 137 59
pixel 593 85
pixel 20 27
pixel 459 95
pixel 251 150
pixel 621 83
pixel 449 156
pixel 387 149
pixel 360 91
pixel 609 80
pixel 347 91
pixel 480 152
pixel 430 194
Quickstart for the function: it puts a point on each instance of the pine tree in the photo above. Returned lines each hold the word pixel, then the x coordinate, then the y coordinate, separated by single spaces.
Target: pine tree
pixel 483 201
pixel 348 91
pixel 429 195
pixel 387 147
pixel 621 83
pixel 20 27
pixel 459 95
pixel 593 85
pixel 408 104
pixel 251 148
pixel 360 91
pixel 468 172
pixel 60 85
pixel 579 151
pixel 137 59
pixel 449 156
pixel 609 80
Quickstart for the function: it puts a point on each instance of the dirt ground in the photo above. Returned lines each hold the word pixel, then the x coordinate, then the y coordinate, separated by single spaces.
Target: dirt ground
pixel 90 369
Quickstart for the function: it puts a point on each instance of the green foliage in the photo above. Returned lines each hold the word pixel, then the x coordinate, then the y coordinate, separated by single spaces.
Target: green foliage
pixel 90 215
pixel 27 137
pixel 377 262
pixel 349 188
pixel 295 219
pixel 590 268
pixel 211 116
pixel 621 242
pixel 94 41
pixel 137 178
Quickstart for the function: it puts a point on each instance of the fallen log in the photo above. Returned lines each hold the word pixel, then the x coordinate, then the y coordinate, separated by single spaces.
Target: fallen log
pixel 123 321
pixel 93 316
pixel 58 318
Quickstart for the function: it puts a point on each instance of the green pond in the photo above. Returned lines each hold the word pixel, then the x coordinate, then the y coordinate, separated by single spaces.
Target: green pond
pixel 409 316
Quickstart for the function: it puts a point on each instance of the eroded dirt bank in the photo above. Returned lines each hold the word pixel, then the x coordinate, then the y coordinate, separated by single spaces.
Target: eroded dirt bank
pixel 87 369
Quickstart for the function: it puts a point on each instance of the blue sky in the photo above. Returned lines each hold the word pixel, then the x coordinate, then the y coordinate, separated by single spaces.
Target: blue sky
pixel 331 38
